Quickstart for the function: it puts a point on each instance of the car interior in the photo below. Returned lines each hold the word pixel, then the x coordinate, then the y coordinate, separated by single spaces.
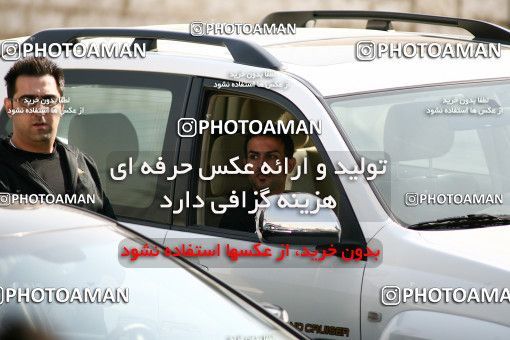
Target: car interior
pixel 218 149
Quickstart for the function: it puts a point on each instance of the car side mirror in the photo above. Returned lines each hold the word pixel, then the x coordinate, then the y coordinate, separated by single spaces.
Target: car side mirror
pixel 297 226
pixel 276 311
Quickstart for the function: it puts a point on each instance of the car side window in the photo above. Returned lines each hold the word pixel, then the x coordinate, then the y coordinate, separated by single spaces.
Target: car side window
pixel 218 149
pixel 139 115
pixel 125 122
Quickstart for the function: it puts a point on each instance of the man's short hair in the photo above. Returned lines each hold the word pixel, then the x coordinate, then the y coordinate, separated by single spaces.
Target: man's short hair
pixel 287 141
pixel 33 66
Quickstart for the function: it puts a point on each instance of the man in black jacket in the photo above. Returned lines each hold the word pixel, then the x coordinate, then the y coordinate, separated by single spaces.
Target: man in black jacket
pixel 32 160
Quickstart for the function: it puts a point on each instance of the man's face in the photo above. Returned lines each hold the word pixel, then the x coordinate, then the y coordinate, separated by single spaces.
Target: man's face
pixel 267 149
pixel 34 128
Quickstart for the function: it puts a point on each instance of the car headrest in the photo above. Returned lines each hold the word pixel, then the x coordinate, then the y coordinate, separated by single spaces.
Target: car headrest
pixel 264 111
pixel 410 133
pixel 223 149
pixel 261 110
pixel 105 137
pixel 224 107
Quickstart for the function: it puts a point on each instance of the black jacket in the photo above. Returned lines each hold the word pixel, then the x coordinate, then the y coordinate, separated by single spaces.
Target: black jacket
pixel 81 176
pixel 239 218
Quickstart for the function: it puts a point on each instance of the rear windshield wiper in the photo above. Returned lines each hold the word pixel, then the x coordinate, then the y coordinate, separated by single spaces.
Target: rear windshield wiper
pixel 463 222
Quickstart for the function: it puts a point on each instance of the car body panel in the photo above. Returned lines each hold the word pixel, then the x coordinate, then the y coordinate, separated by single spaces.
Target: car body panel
pixel 166 296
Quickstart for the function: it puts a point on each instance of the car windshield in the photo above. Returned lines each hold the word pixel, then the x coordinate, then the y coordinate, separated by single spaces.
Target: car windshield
pixel 447 147
pixel 55 268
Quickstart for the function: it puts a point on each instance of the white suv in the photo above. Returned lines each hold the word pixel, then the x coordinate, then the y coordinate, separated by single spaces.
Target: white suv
pixel 437 210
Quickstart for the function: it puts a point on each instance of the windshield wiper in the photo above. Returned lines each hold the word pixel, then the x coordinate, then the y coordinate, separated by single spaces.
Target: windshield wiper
pixel 463 222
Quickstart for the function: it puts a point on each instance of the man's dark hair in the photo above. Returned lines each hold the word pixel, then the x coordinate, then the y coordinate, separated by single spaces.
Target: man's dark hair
pixel 287 141
pixel 33 66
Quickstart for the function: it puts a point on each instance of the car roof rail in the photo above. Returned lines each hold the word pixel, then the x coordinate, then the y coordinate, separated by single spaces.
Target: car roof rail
pixel 243 52
pixel 481 30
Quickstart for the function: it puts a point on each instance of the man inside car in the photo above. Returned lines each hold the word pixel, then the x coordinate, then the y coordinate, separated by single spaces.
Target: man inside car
pixel 32 159
pixel 273 149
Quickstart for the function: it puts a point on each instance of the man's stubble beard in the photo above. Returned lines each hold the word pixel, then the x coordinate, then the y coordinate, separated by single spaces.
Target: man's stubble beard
pixel 271 185
pixel 43 137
